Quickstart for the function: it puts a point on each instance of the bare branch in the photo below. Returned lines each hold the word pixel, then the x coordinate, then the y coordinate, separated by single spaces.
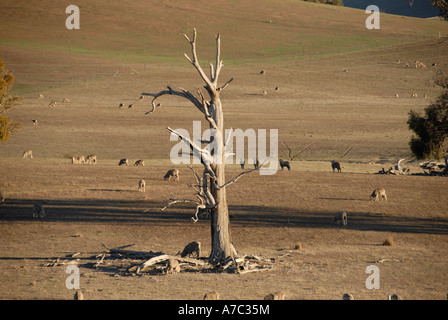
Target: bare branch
pixel 238 176
pixel 183 93
pixel 225 85
pixel 174 201
pixel 194 61
pixel 218 63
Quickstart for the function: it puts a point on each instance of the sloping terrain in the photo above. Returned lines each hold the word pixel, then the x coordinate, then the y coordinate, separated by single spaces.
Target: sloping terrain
pixel 337 84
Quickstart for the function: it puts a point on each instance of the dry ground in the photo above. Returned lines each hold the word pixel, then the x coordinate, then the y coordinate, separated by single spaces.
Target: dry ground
pixel 88 205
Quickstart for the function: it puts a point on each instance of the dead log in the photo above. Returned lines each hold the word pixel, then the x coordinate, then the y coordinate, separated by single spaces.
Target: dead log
pixel 164 257
pixel 133 253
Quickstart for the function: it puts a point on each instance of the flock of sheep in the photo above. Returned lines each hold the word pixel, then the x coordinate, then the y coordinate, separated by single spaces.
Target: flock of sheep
pixel 340 217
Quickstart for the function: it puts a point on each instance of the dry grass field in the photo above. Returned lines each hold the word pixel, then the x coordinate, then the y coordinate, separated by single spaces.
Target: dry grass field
pixel 337 84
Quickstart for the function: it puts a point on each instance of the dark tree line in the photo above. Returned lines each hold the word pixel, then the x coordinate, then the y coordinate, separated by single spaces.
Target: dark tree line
pixel 431 129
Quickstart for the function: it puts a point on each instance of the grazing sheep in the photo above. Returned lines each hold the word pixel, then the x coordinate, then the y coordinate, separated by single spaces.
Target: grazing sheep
pixel 38 211
pixel 285 164
pixel 52 104
pixel 139 163
pixel 275 296
pixel 348 296
pixel 396 95
pixel 81 159
pixel 41 96
pixel 192 247
pixel 414 95
pixel 242 162
pixel 378 193
pixel 34 122
pixel 264 92
pixel 214 295
pixel 340 216
pixel 173 266
pixel 142 185
pixel 335 165
pixel 172 173
pixel 27 153
pixel 65 100
pixel 78 296
pixel 120 105
pixel 262 72
pixel 2 197
pixel 256 163
pixel 123 161
pixel 91 159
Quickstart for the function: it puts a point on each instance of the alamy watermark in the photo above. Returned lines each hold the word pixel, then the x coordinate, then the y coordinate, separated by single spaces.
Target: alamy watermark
pixel 215 141
pixel 373 21
pixel 72 21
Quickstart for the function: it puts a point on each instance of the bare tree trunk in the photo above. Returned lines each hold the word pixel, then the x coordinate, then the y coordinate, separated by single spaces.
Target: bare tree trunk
pixel 211 187
pixel 220 224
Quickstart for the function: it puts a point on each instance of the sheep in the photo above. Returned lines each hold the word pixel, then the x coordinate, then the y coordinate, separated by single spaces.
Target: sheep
pixel 81 159
pixel 142 185
pixel 378 193
pixel 172 173
pixel 78 296
pixel 414 95
pixel 394 297
pixel 65 100
pixel 38 211
pixel 262 72
pixel 139 163
pixel 192 247
pixel 256 163
pixel 52 104
pixel 91 159
pixel 284 163
pixel 123 161
pixel 348 296
pixel 34 122
pixel 120 105
pixel 335 165
pixel 340 216
pixel 41 96
pixel 276 296
pixel 27 153
pixel 173 266
pixel 242 163
pixel 214 295
pixel 2 197
pixel 264 92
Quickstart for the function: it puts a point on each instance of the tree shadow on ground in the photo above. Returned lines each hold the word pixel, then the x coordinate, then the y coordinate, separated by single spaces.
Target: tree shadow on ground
pixel 145 211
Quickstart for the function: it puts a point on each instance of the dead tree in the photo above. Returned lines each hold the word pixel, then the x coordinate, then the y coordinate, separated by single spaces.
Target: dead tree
pixel 211 185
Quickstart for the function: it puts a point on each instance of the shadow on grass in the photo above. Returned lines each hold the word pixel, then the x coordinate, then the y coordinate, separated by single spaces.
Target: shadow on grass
pixel 145 211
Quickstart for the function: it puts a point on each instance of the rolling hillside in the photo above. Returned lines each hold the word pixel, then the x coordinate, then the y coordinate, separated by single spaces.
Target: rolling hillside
pixel 149 32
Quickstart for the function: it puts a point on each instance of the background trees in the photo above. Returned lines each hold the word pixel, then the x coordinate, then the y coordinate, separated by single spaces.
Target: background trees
pixel 431 129
pixel 443 7
pixel 7 101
